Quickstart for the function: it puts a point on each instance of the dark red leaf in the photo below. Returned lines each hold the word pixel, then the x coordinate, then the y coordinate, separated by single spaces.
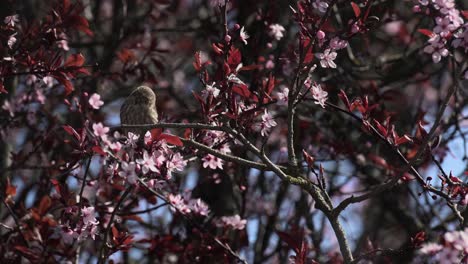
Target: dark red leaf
pixel 381 128
pixel 2 88
pixel 125 55
pixel 302 255
pixel 234 58
pixel 345 99
pixel 465 13
pixel 171 139
pixel 271 84
pixel 66 84
pixel 197 63
pixel 244 91
pixel 98 150
pixel 402 140
pixel 378 160
pixel 426 32
pixel 76 60
pixel 217 48
pixel 70 130
pixel 292 241
pixel 250 67
pixel 308 158
pixel 28 253
pixel 356 9
pixel 44 205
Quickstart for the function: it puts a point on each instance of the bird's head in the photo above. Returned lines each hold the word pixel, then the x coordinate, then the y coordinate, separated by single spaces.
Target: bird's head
pixel 143 95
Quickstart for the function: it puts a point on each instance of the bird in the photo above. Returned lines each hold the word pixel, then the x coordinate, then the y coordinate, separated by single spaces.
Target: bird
pixel 139 108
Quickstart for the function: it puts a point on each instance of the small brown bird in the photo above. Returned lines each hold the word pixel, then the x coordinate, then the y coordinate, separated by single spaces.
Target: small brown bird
pixel 139 109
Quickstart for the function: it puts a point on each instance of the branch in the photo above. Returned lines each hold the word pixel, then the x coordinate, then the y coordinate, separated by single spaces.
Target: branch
pixel 111 220
pixel 226 247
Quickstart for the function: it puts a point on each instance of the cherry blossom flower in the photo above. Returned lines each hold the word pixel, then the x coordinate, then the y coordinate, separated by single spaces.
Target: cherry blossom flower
pixel 461 38
pixel 283 96
pixel 326 58
pixel 89 217
pixel 132 140
pixel 48 81
pixel 276 30
pixel 40 96
pixel 211 90
pixel 212 162
pixel 11 20
pixel 269 64
pixel 267 123
pixel 95 101
pixel 147 163
pixel 179 203
pixel 128 172
pixel 235 222
pixel 320 5
pixel 437 48
pixel 63 44
pixel 452 248
pixel 319 95
pixel 11 41
pixel 337 43
pixel 176 162
pixel 199 207
pixel 430 248
pixel 244 36
pixel 444 26
pixel 100 130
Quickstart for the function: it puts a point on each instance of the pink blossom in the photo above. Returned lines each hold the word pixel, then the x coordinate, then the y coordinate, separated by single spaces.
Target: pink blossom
pixel 211 90
pixel 235 222
pixel 100 130
pixel 225 148
pixel 147 163
pixel 176 162
pixel 128 172
pixel 437 48
pixel 267 123
pixel 320 5
pixel 95 101
pixel 337 43
pixel 179 203
pixel 40 96
pixel 461 38
pixel 9 107
pixel 11 41
pixel 320 35
pixel 319 95
pixel 132 140
pixel 89 217
pixel 48 81
pixel 199 207
pixel 11 20
pixel 276 31
pixel 326 58
pixel 244 36
pixel 283 96
pixel 269 64
pixel 444 26
pixel 63 44
pixel 212 162
pixel 430 248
